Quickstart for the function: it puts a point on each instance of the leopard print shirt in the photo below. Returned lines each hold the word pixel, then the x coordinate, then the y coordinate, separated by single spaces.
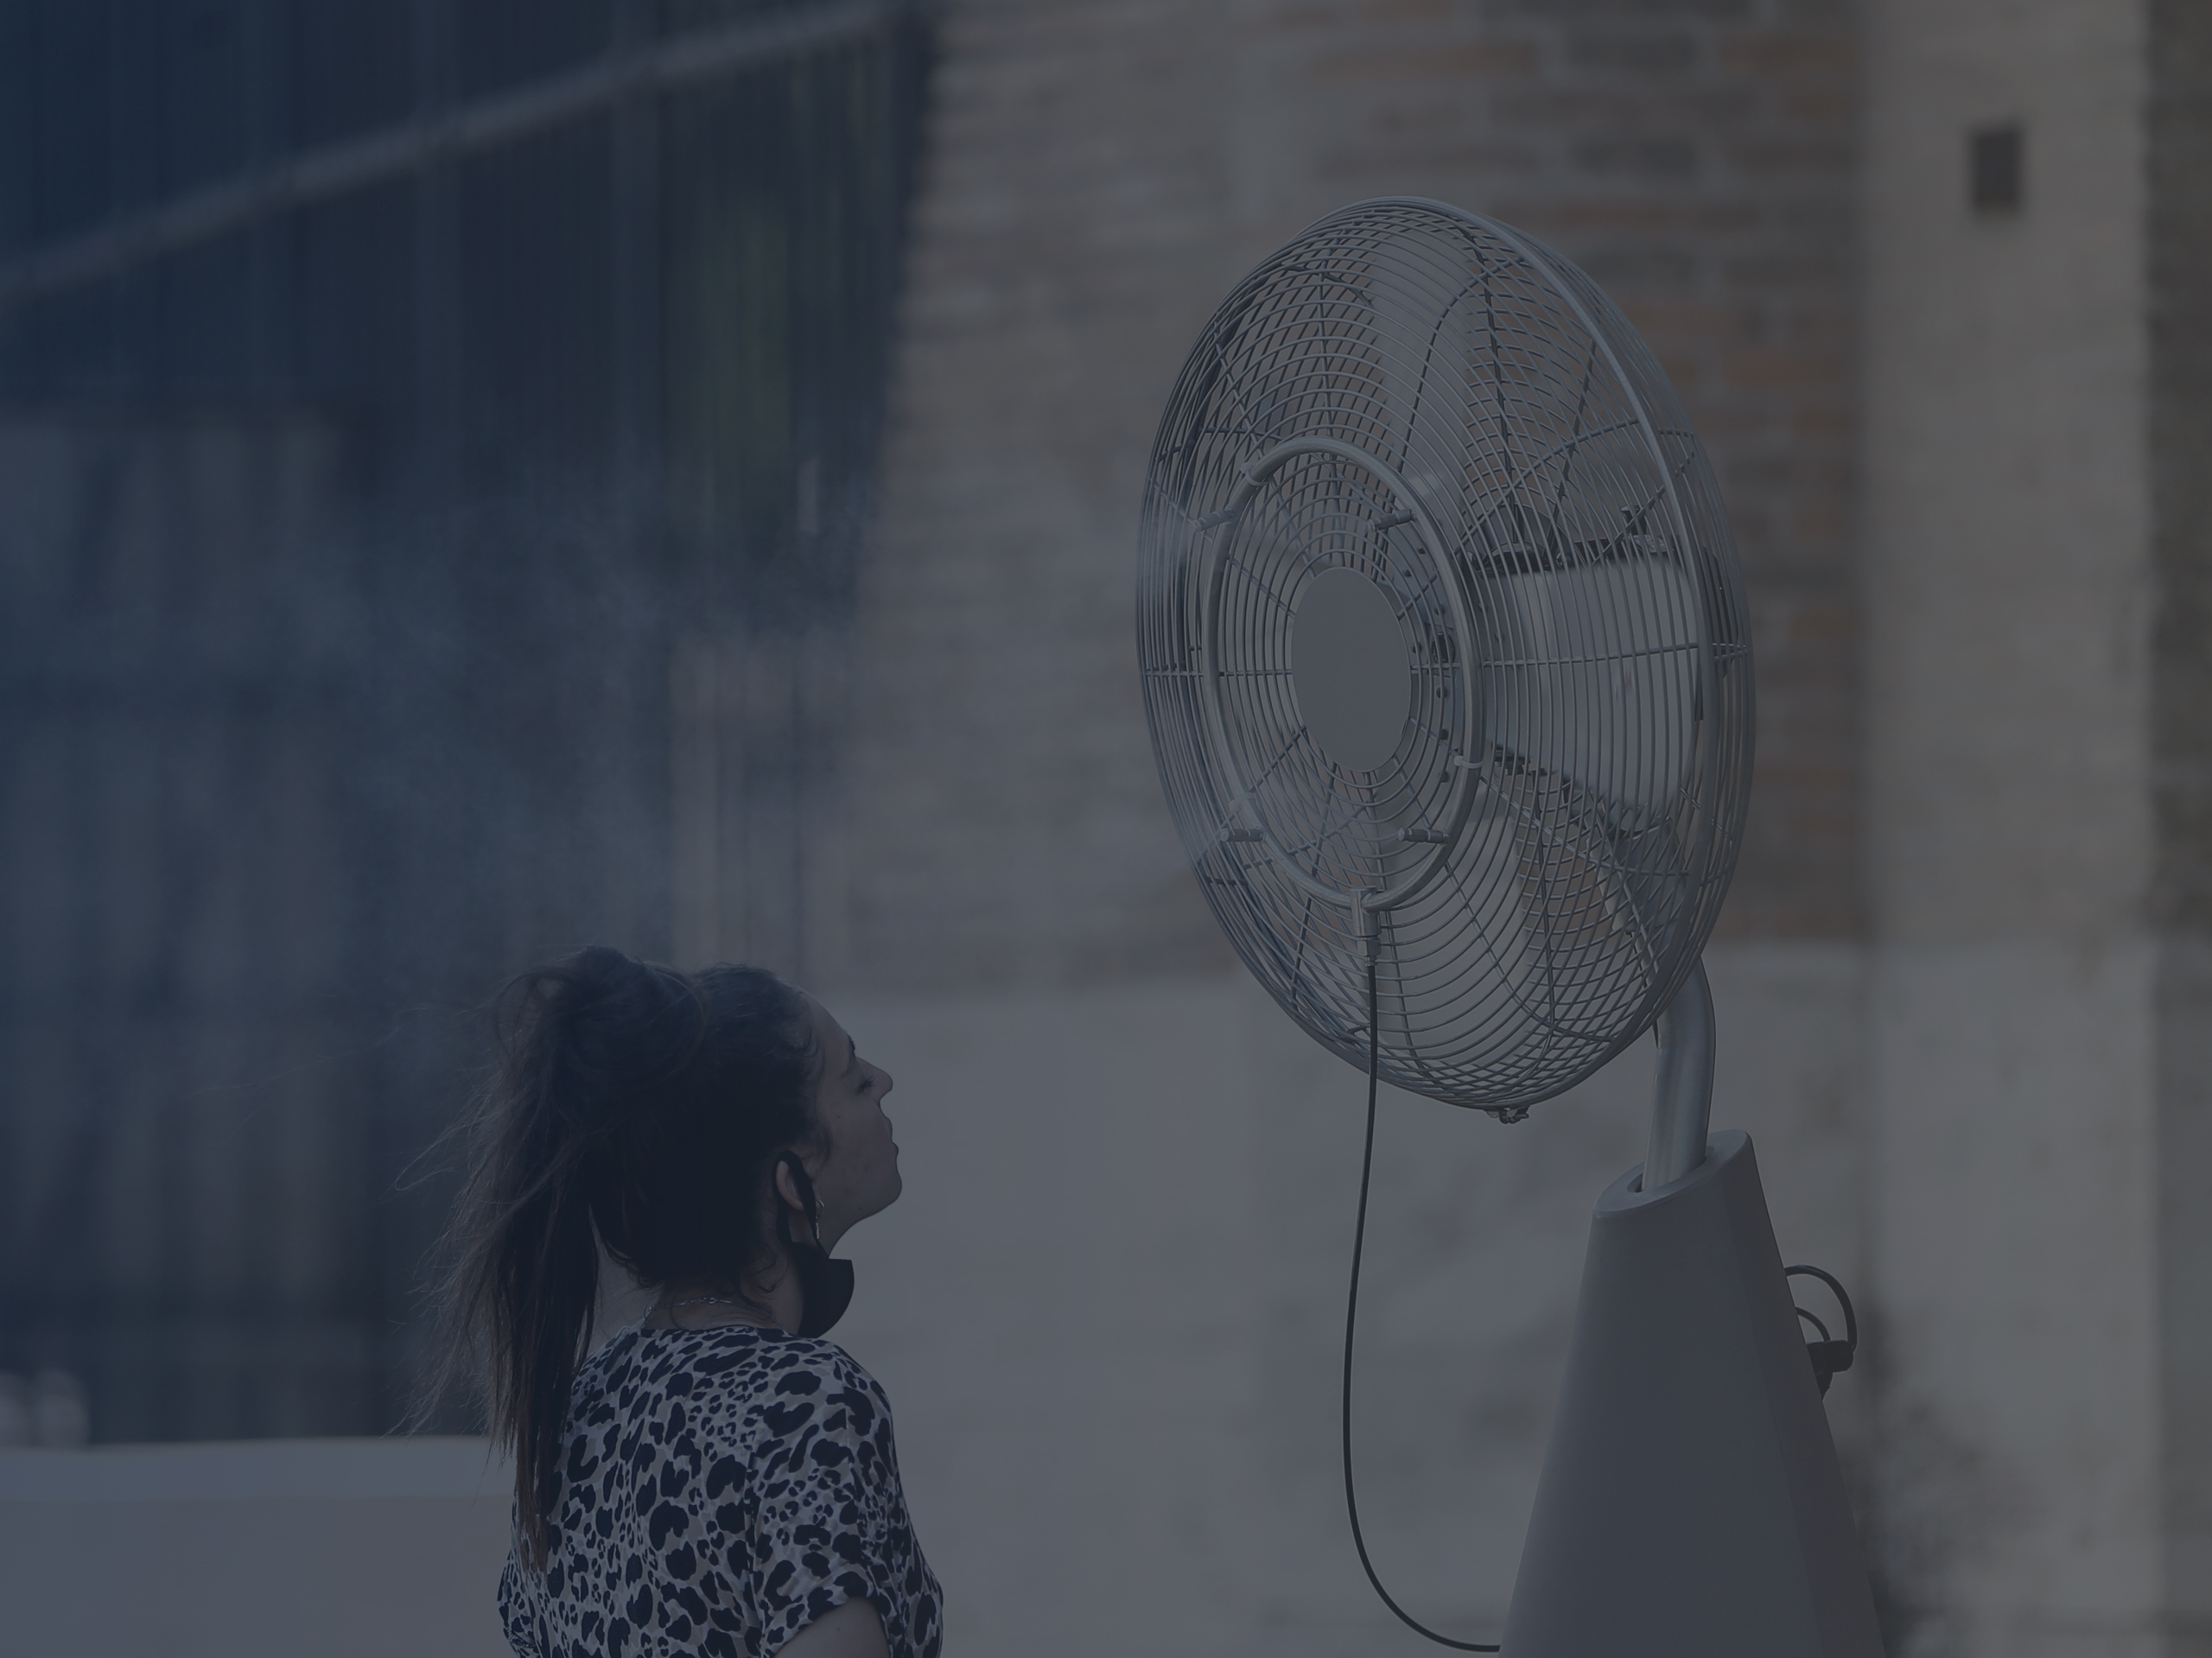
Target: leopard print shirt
pixel 719 1490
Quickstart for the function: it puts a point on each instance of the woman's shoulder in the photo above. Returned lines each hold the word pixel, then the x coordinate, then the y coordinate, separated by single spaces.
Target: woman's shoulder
pixel 723 1381
pixel 786 1357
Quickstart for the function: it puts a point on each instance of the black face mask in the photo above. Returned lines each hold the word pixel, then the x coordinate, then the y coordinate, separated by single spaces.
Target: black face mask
pixel 825 1286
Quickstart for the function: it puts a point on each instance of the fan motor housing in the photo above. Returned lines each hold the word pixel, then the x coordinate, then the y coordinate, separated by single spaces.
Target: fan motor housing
pixel 1348 661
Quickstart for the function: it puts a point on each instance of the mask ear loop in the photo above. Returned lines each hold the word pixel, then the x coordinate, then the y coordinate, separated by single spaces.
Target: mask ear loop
pixel 826 1285
pixel 789 1160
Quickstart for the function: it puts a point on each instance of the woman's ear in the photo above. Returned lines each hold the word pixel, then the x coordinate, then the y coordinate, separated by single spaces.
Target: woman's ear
pixel 795 1192
pixel 787 1195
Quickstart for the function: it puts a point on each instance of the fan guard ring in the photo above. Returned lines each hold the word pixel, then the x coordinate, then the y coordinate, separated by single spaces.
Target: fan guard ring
pixel 1426 842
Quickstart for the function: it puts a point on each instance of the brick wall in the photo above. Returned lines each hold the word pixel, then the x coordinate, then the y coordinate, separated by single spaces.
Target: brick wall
pixel 1099 173
pixel 1008 825
pixel 1696 157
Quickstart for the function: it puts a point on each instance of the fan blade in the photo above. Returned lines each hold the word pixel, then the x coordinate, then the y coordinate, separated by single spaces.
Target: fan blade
pixel 1422 348
pixel 1591 672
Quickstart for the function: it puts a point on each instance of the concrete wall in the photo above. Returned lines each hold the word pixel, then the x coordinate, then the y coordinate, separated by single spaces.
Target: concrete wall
pixel 1109 1312
pixel 258 1550
pixel 1108 1309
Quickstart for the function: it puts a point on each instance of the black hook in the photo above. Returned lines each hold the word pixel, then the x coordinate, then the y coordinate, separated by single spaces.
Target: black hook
pixel 1830 1357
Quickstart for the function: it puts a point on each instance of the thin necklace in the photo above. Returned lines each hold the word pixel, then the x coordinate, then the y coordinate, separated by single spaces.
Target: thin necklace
pixel 703 1300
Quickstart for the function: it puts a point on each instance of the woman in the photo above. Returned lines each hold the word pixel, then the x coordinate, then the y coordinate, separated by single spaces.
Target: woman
pixel 717 1479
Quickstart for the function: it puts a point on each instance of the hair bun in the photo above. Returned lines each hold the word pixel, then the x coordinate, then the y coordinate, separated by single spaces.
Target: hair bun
pixel 624 1020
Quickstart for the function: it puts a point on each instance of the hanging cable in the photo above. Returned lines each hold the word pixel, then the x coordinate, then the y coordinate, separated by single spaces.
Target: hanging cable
pixel 1351 1321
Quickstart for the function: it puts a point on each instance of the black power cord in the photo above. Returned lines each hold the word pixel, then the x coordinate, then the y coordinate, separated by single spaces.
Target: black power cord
pixel 1351 1321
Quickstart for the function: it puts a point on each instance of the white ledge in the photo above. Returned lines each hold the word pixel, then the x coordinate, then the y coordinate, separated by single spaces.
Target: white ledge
pixel 250 1469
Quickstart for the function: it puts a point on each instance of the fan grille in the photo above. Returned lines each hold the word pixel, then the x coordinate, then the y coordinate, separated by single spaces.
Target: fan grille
pixel 1459 418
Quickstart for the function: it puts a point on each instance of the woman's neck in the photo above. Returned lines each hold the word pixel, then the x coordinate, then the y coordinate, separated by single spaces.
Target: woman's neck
pixel 773 1299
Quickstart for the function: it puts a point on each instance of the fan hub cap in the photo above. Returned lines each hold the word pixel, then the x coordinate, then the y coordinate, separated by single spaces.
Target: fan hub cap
pixel 1349 664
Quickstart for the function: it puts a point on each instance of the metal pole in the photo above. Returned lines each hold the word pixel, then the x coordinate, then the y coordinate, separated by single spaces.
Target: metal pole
pixel 1682 1107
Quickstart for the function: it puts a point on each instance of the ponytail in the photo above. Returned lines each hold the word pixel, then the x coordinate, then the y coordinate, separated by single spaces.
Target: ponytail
pixel 633 1105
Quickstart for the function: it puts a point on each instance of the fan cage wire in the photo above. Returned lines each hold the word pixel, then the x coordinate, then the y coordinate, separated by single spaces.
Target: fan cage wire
pixel 1575 851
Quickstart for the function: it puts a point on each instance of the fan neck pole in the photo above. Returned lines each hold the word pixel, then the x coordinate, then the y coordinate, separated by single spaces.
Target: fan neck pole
pixel 1683 1107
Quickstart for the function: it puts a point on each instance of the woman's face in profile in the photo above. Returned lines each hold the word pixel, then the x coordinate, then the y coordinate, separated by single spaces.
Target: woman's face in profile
pixel 859 1177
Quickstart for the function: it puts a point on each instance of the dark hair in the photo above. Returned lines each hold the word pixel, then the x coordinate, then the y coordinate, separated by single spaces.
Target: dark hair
pixel 637 1100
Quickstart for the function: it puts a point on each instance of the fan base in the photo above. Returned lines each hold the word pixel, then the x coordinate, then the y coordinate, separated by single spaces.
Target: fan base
pixel 1690 1503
